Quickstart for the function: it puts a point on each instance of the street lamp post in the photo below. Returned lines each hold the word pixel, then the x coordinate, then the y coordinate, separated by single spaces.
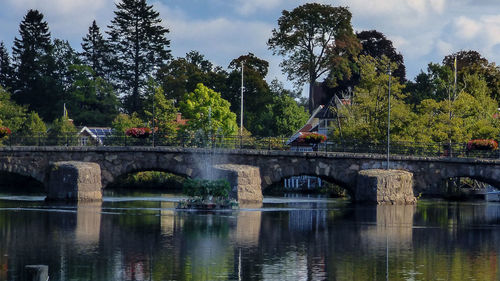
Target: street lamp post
pixel 389 120
pixel 153 121
pixel 241 103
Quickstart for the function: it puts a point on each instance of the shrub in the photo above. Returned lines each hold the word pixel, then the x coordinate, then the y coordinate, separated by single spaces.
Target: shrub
pixel 206 188
pixel 4 131
pixel 482 145
pixel 141 133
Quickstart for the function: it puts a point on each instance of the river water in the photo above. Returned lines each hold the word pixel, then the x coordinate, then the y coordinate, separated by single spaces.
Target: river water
pixel 142 237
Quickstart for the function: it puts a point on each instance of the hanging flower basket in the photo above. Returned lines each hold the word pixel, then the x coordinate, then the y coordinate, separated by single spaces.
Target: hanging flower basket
pixel 140 133
pixel 482 145
pixel 312 138
pixel 4 131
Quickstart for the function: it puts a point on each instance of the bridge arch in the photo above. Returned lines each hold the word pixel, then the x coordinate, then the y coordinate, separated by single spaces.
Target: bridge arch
pixel 117 178
pixel 338 173
pixel 342 184
pixel 25 171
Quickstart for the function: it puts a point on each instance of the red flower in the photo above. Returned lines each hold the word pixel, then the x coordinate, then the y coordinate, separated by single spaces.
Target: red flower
pixel 312 138
pixel 482 145
pixel 4 131
pixel 138 132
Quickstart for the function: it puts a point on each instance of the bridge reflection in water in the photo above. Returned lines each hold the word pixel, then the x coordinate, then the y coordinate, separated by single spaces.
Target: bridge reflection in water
pixel 284 239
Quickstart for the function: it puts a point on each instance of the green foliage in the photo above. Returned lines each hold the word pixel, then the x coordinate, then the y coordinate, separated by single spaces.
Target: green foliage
pixel 35 80
pixel 366 118
pixel 33 125
pixel 6 68
pixel 123 122
pixel 11 114
pixel 63 132
pixel 206 188
pixel 182 75
pixel 375 44
pixel 307 36
pixel 92 101
pixel 208 112
pixel 283 117
pixel 138 40
pixel 436 84
pixel 256 91
pixel 96 52
pixel 150 180
pixel 164 113
pixel 62 126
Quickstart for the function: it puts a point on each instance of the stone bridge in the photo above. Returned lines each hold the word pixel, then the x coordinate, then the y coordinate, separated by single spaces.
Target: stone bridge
pixel 339 168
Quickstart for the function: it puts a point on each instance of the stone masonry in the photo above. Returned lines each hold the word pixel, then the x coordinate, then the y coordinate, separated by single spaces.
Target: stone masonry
pixel 274 166
pixel 385 187
pixel 244 181
pixel 75 181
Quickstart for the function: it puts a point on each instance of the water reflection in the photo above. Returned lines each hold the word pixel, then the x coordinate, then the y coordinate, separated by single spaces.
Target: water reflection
pixel 282 239
pixel 393 225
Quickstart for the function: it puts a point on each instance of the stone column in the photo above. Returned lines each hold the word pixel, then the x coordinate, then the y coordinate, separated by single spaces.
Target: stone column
pixel 385 187
pixel 74 181
pixel 244 180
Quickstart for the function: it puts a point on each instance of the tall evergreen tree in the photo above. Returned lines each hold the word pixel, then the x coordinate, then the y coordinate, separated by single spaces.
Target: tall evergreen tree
pixel 6 69
pixel 139 42
pixel 31 54
pixel 96 52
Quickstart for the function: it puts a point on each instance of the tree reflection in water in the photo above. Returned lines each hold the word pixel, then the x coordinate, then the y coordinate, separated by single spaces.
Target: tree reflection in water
pixel 284 239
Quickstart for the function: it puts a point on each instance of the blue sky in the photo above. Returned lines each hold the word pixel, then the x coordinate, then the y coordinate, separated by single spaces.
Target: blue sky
pixel 422 30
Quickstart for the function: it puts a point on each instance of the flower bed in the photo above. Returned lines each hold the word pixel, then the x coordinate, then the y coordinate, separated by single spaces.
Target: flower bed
pixel 141 133
pixel 312 138
pixel 4 131
pixel 482 145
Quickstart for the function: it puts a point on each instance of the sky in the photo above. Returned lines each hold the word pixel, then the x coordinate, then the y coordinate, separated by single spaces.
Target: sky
pixel 422 30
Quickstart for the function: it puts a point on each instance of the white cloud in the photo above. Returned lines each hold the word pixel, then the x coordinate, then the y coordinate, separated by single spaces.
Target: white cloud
pixel 220 39
pixel 438 5
pixel 246 7
pixel 466 28
pixel 481 34
pixel 60 7
pixel 444 48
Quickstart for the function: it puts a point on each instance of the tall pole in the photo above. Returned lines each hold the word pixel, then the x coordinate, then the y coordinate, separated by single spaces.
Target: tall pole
pixel 241 103
pixel 389 120
pixel 153 121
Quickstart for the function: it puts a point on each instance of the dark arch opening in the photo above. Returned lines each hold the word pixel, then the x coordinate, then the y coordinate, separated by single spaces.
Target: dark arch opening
pixel 148 180
pixel 469 188
pixel 309 184
pixel 13 183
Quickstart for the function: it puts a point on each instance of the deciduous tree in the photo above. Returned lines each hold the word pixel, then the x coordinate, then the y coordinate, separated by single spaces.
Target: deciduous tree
pixel 208 112
pixel 307 37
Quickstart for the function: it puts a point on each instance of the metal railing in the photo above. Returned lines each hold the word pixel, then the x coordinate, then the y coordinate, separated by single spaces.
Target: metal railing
pixel 251 142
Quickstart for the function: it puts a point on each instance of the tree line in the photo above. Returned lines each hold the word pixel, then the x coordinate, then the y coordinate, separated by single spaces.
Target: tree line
pixel 128 77
pixel 453 101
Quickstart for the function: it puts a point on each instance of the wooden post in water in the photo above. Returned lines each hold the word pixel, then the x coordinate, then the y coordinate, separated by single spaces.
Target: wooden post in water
pixel 36 272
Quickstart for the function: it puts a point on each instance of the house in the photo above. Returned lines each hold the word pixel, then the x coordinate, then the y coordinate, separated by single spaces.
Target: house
pixel 322 121
pixel 93 135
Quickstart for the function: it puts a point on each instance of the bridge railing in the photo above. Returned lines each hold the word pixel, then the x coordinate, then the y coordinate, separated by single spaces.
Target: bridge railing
pixel 252 142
